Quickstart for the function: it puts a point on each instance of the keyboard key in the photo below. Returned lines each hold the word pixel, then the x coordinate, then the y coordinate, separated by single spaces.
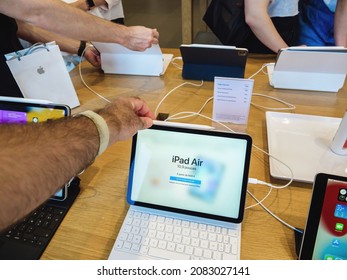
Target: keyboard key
pixel 130 237
pixel 169 236
pixel 127 245
pixel 194 233
pixel 179 248
pixel 123 236
pixel 128 221
pixel 185 231
pixel 119 244
pixel 198 252
pixel 160 219
pixel 153 218
pixel 211 228
pixel 152 233
pixel 185 224
pixel 214 246
pixel 195 242
pixel 168 221
pixel 135 230
pixel 145 241
pixel 229 257
pixel 212 237
pixel 160 235
pixel 177 238
pixel 166 254
pixel 152 225
pixel 135 248
pixel 207 254
pixel 162 244
pixel 185 240
pixel 137 239
pixel 42 232
pixel 203 235
pixel 216 255
pixel 143 231
pixel 204 244
pixel 169 228
pixel 144 250
pixel 153 242
pixel 136 222
pixel 189 250
pixel 177 230
pixel 145 216
pixel 137 215
pixel 160 226
pixel 171 246
pixel 144 223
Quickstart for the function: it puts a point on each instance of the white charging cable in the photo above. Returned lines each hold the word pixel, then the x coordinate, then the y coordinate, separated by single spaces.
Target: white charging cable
pixel 185 83
pixel 85 84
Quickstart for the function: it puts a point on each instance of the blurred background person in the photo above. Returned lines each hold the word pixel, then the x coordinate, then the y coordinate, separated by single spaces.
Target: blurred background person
pixel 108 9
pixel 274 25
pixel 323 22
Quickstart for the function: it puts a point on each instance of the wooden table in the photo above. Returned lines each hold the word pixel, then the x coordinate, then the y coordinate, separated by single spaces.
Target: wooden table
pixel 92 224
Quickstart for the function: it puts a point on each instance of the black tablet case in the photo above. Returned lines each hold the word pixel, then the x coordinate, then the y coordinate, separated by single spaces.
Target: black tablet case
pixel 205 63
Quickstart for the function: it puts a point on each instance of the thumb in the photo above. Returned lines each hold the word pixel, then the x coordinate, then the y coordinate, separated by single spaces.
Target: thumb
pixel 147 122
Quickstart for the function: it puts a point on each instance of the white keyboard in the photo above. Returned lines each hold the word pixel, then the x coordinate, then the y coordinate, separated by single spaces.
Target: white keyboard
pixel 170 238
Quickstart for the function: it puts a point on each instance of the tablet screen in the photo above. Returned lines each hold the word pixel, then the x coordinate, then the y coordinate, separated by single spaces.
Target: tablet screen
pixel 22 112
pixel 325 236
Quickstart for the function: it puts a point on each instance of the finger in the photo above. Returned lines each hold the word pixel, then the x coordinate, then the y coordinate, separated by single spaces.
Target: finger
pixel 141 108
pixel 155 41
pixel 147 122
pixel 155 34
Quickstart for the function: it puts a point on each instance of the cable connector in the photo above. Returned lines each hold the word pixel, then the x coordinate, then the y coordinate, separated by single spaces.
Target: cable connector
pixel 253 181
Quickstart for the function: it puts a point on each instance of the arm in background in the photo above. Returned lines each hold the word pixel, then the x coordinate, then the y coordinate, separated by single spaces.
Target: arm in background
pixel 258 19
pixel 63 19
pixel 340 23
pixel 35 34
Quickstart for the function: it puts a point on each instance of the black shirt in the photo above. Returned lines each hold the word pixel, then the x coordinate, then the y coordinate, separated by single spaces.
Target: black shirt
pixel 9 43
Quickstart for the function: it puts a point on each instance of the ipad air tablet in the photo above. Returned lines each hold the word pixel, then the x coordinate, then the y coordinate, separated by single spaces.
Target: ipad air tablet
pixel 204 62
pixel 22 111
pixel 325 236
pixel 196 172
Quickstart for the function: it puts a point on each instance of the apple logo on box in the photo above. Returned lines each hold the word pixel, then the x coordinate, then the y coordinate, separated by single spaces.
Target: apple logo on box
pixel 40 70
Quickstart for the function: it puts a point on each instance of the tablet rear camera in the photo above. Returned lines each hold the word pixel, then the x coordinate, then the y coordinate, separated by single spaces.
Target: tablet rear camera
pixel 242 53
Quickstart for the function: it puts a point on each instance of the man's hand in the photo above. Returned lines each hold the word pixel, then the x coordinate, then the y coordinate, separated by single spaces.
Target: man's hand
pixel 93 57
pixel 125 116
pixel 140 38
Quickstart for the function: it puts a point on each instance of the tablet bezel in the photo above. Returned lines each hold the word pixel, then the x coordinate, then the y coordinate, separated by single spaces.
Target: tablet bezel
pixel 319 190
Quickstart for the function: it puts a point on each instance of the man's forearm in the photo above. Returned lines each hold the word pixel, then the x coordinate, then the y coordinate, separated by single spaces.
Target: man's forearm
pixel 63 19
pixel 45 156
pixel 35 34
pixel 37 159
